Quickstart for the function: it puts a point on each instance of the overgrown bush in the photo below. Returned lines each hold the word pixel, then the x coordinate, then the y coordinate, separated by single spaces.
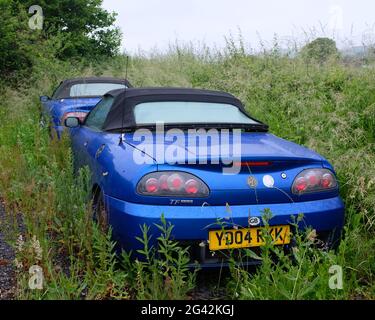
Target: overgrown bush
pixel 320 50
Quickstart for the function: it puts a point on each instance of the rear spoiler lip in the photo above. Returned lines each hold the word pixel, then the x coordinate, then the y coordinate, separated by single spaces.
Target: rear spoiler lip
pixel 226 162
pixel 249 127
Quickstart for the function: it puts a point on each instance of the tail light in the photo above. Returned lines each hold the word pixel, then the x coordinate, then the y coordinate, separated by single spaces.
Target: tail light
pixel 314 180
pixel 78 114
pixel 172 183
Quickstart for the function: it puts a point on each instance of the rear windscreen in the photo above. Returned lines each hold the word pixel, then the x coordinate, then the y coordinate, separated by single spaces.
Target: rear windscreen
pixel 93 89
pixel 189 112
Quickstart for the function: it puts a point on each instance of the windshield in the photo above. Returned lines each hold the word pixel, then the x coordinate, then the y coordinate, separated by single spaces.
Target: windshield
pixel 93 89
pixel 171 112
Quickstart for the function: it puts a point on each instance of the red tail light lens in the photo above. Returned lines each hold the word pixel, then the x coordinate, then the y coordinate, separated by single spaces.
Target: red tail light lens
pixel 175 182
pixel 80 115
pixel 301 184
pixel 192 186
pixel 314 180
pixel 327 181
pixel 152 185
pixel 171 183
pixel 163 182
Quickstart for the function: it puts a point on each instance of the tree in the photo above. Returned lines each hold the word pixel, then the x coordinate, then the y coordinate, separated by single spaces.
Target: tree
pixel 13 37
pixel 321 49
pixel 71 29
pixel 87 28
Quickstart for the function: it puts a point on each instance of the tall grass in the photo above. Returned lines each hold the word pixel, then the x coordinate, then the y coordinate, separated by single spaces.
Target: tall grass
pixel 328 107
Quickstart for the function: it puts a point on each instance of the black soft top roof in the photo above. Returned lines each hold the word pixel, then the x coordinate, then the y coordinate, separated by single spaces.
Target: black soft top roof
pixel 121 115
pixel 152 91
pixel 65 85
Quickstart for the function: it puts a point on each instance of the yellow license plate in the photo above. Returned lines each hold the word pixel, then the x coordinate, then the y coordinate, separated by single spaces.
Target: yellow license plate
pixel 247 237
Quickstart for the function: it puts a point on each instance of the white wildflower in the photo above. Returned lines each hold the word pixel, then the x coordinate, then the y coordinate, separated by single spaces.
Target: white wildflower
pixel 18 264
pixel 20 243
pixel 35 244
pixel 312 235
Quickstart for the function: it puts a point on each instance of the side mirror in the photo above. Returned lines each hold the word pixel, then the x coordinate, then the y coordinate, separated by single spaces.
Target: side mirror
pixel 72 122
pixel 44 98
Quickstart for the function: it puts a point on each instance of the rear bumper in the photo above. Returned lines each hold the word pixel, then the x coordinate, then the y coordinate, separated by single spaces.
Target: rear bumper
pixel 191 224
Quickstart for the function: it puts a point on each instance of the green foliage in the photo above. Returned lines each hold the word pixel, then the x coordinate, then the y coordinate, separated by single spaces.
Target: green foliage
pixel 86 28
pixel 320 50
pixel 15 55
pixel 163 273
pixel 71 30
pixel 302 273
pixel 59 235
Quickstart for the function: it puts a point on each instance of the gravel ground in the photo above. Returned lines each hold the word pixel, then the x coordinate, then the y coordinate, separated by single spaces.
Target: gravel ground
pixel 7 276
pixel 210 285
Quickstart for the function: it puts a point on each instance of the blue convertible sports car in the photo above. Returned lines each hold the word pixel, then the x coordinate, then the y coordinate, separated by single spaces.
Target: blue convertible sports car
pixel 76 97
pixel 197 157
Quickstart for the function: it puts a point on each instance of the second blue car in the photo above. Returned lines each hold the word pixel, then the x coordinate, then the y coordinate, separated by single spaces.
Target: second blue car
pixel 76 97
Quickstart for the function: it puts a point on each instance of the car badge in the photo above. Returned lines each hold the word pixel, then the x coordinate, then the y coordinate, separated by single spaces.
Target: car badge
pixel 254 221
pixel 268 181
pixel 252 182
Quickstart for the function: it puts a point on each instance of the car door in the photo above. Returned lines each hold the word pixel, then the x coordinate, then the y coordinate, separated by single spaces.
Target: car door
pixel 87 139
pixel 50 104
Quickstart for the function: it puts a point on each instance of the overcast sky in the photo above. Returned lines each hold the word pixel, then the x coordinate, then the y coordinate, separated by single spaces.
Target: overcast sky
pixel 147 24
